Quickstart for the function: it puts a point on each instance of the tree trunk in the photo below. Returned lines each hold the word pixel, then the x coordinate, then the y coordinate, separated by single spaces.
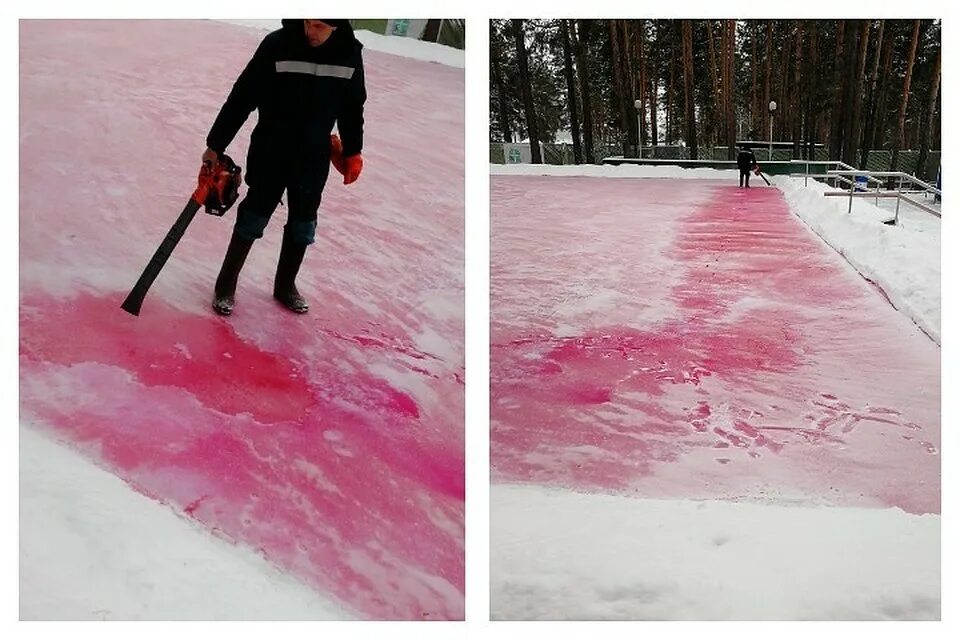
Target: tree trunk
pixel 855 124
pixel 810 120
pixel 905 96
pixel 872 99
pixel 583 75
pixel 767 67
pixel 714 120
pixel 502 95
pixel 783 105
pixel 641 93
pixel 883 91
pixel 654 84
pixel 754 104
pixel 431 32
pixel 730 29
pixel 688 97
pixel 627 65
pixel 849 88
pixel 618 87
pixel 671 102
pixel 530 113
pixel 796 100
pixel 916 107
pixel 571 92
pixel 836 113
pixel 926 122
pixel 935 133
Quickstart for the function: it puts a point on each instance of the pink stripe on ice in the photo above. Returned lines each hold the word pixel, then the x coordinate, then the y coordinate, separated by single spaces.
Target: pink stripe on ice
pixel 685 338
pixel 331 443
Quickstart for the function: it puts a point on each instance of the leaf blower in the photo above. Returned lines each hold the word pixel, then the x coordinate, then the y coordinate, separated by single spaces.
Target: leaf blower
pixel 218 187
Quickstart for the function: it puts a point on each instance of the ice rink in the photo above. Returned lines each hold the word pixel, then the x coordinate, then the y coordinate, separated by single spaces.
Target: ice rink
pixel 682 340
pixel 330 444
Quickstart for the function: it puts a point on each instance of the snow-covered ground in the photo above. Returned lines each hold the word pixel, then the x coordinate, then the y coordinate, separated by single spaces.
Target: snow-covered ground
pixel 903 260
pixel 558 554
pixel 610 171
pixel 330 444
pixel 699 409
pixel 94 549
pixel 406 47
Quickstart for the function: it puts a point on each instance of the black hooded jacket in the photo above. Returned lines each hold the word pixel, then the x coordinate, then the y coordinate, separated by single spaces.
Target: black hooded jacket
pixel 300 92
pixel 746 159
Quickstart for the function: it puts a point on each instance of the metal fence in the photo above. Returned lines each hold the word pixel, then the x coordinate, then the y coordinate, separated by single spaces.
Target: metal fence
pixel 452 33
pixel 877 160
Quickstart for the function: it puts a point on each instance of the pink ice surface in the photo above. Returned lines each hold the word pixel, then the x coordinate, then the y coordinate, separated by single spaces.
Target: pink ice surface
pixel 686 338
pixel 331 443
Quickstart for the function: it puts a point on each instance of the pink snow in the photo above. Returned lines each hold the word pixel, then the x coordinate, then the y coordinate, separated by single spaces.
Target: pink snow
pixel 694 340
pixel 331 443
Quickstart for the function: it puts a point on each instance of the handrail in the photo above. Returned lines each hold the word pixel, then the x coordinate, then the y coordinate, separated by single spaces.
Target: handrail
pixel 899 193
pixel 837 163
pixel 845 174
pixel 869 175
pixel 886 194
pixel 828 175
pixel 892 174
pixel 921 206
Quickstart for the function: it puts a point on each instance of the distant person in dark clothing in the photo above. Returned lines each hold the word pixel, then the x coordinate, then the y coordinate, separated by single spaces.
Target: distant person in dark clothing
pixel 746 161
pixel 303 78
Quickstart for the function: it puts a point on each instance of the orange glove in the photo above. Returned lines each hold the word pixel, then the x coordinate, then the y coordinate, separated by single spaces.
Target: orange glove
pixel 336 153
pixel 354 164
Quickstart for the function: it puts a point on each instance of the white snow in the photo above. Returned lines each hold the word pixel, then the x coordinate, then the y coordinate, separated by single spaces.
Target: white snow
pixel 903 260
pixel 611 171
pixel 555 554
pixel 394 45
pixel 411 48
pixel 93 549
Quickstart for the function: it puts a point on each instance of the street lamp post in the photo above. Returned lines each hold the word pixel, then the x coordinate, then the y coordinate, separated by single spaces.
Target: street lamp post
pixel 638 105
pixel 773 107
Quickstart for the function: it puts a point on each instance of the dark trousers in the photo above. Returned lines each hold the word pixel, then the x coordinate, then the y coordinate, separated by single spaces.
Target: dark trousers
pixel 744 177
pixel 304 187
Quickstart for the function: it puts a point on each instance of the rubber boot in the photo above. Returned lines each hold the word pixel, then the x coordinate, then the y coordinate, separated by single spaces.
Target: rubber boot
pixel 226 286
pixel 284 289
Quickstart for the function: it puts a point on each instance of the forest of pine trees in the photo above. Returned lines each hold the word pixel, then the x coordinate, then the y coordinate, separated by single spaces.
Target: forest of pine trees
pixel 612 86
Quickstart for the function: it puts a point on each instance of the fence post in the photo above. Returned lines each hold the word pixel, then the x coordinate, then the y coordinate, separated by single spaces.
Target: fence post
pixel 896 215
pixel 853 185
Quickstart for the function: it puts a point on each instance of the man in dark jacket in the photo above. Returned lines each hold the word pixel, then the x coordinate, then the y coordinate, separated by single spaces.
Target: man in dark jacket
pixel 746 161
pixel 302 79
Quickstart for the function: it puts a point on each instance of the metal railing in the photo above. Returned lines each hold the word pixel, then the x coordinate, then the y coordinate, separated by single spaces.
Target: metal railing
pixel 901 177
pixel 835 178
pixel 899 194
pixel 847 175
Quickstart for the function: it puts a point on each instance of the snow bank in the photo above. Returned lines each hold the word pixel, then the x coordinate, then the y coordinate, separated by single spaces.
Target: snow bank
pixel 904 261
pixel 406 47
pixel 611 171
pixel 411 48
pixel 90 548
pixel 614 557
